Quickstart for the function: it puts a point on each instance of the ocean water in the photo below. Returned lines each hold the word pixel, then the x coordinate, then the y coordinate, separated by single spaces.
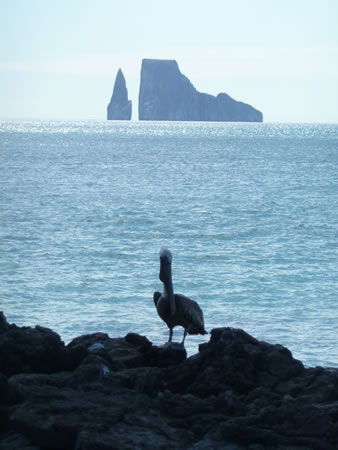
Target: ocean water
pixel 249 211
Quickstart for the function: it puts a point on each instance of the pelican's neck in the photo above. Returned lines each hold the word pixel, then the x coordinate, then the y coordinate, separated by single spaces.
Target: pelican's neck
pixel 167 288
pixel 166 278
pixel 168 294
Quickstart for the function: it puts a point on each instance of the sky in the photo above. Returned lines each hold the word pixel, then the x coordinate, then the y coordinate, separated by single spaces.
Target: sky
pixel 59 59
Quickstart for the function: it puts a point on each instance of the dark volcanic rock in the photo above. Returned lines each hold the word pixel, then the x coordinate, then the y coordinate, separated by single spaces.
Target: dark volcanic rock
pixel 125 393
pixel 119 107
pixel 166 94
pixel 39 349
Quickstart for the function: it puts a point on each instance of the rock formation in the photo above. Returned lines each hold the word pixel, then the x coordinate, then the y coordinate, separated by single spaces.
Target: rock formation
pixel 166 94
pixel 119 107
pixel 106 393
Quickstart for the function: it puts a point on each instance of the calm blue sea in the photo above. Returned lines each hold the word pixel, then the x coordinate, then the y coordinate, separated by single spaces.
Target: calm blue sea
pixel 249 211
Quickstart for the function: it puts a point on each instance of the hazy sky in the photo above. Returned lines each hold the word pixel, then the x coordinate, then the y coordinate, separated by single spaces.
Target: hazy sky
pixel 59 58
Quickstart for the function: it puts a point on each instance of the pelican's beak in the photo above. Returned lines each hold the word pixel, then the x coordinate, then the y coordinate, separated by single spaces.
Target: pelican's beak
pixel 166 278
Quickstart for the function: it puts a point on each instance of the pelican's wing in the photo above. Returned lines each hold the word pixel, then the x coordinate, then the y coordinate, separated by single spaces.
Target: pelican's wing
pixel 156 296
pixel 191 311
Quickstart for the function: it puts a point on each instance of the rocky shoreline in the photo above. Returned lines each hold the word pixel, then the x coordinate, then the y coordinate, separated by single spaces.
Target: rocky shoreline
pixel 106 393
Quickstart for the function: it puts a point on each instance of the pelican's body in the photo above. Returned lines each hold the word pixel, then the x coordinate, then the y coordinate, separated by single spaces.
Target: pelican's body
pixel 176 309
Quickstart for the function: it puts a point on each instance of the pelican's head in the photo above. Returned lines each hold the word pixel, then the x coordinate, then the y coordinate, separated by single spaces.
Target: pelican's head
pixel 166 254
pixel 166 278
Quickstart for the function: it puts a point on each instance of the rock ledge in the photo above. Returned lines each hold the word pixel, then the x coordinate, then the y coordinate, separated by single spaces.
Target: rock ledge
pixel 105 393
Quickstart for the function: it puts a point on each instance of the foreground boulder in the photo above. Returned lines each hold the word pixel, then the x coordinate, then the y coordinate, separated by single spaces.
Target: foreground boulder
pixel 125 393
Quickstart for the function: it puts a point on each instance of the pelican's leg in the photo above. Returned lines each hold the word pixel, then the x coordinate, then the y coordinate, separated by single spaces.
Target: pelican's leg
pixel 184 335
pixel 170 334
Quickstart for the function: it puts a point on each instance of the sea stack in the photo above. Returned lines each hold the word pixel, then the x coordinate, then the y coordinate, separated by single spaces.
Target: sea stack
pixel 119 107
pixel 167 94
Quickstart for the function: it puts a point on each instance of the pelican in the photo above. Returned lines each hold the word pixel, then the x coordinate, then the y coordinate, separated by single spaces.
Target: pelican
pixel 176 309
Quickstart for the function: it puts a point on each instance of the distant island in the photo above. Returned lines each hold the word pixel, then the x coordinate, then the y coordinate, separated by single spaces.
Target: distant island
pixel 166 94
pixel 119 107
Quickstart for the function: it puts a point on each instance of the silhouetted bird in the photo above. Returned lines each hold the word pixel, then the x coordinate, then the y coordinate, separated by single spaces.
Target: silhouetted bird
pixel 176 309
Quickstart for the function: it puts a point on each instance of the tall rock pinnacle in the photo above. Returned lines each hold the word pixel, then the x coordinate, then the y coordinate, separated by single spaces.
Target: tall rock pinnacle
pixel 119 107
